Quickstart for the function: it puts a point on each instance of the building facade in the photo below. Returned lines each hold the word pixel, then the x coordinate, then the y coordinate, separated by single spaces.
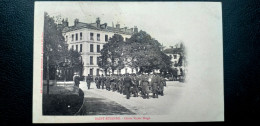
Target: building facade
pixel 174 53
pixel 88 39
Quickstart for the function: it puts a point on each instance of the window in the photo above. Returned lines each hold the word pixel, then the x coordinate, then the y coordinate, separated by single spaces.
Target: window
pixel 91 71
pixel 91 48
pixel 76 47
pixel 72 47
pixel 126 39
pixel 76 36
pixel 106 38
pixel 91 36
pixel 80 34
pixel 72 37
pixel 80 48
pixel 91 60
pixel 66 37
pixel 98 48
pixel 97 60
pixel 97 71
pixel 175 56
pixel 98 37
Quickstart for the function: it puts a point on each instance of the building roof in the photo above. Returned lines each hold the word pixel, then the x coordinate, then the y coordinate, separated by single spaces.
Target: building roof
pixel 172 50
pixel 95 26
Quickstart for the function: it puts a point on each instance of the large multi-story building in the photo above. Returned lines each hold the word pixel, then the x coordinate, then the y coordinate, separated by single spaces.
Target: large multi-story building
pixel 89 38
pixel 175 54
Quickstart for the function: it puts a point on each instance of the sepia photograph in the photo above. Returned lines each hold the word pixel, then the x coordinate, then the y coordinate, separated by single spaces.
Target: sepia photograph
pixel 128 62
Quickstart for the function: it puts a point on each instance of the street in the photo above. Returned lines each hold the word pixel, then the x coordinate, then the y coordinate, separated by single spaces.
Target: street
pixel 103 102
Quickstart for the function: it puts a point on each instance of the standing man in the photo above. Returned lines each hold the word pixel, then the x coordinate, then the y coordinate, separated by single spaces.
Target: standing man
pixel 127 85
pixel 102 81
pixel 96 80
pixel 76 79
pixel 135 82
pixel 88 79
pixel 155 84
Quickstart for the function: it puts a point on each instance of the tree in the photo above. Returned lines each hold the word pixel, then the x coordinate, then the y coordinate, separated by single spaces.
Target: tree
pixel 55 50
pixel 111 54
pixel 53 45
pixel 146 54
pixel 140 51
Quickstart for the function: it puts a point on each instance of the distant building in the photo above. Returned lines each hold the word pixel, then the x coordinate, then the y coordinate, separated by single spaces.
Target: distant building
pixel 176 53
pixel 89 38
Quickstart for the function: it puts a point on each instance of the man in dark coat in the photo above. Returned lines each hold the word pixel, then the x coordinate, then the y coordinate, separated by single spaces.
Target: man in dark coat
pixel 127 85
pixel 97 81
pixel 156 80
pixel 88 80
pixel 108 78
pixel 102 79
pixel 76 79
pixel 161 86
pixel 144 83
pixel 135 82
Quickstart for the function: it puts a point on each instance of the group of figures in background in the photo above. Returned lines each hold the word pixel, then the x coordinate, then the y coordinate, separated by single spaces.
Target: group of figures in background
pixel 130 84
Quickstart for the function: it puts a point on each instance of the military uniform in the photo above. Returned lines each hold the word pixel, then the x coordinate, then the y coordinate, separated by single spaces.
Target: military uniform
pixel 113 84
pixel 107 83
pixel 135 86
pixel 161 86
pixel 97 82
pixel 102 80
pixel 120 85
pixel 127 86
pixel 144 83
pixel 155 82
pixel 76 80
pixel 88 79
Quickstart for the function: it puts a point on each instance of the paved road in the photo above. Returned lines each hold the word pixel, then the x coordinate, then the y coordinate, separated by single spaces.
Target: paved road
pixel 103 102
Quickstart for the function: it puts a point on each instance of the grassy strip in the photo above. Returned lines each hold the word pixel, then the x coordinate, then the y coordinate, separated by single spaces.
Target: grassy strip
pixel 62 104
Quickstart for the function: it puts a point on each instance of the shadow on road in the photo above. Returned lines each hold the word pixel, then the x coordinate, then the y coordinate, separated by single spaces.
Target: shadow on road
pixel 101 106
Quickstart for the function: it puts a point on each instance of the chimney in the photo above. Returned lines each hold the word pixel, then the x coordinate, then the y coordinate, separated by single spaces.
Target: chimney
pixel 135 29
pixel 98 22
pixel 105 25
pixel 118 26
pixel 65 22
pixel 76 21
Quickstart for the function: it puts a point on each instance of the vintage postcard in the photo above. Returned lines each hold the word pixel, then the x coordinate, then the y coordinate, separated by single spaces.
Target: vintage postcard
pixel 128 62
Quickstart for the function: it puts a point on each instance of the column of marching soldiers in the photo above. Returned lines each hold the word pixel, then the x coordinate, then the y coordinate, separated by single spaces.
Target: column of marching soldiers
pixel 142 84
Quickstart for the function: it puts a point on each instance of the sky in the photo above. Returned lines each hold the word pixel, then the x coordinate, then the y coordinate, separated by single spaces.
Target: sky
pixel 167 22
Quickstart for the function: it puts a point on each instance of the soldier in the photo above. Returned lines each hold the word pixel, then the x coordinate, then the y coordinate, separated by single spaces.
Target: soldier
pixel 161 86
pixel 144 83
pixel 127 85
pixel 155 81
pixel 135 82
pixel 88 80
pixel 120 84
pixel 116 79
pixel 113 83
pixel 96 81
pixel 102 80
pixel 76 79
pixel 107 83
